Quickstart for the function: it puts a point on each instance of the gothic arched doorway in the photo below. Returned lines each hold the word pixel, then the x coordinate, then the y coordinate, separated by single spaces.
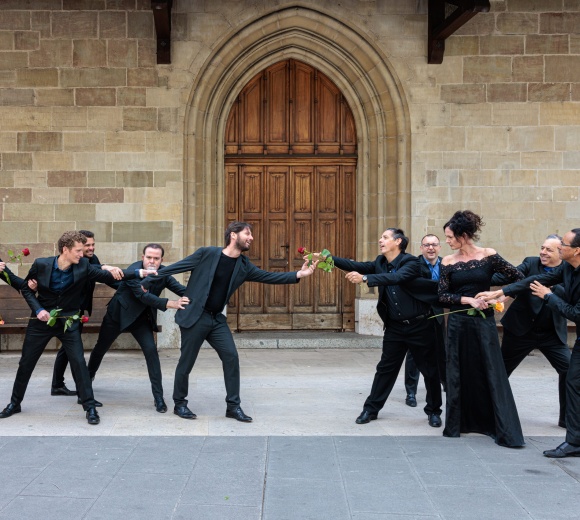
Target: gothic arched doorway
pixel 290 163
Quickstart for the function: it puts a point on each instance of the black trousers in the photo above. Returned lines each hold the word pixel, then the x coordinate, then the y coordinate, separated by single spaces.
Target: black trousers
pixel 60 364
pixel 143 333
pixel 573 397
pixel 514 350
pixel 215 330
pixel 38 334
pixel 398 339
pixel 411 370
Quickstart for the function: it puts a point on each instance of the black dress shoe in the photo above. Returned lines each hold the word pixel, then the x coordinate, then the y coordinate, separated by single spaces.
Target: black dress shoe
pixel 411 400
pixel 184 412
pixel 434 420
pixel 564 450
pixel 160 405
pixel 238 414
pixel 366 417
pixel 11 409
pixel 93 416
pixel 562 423
pixel 62 390
pixel 97 403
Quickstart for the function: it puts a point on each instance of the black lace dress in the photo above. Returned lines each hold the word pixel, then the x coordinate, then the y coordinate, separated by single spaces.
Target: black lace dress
pixel 479 396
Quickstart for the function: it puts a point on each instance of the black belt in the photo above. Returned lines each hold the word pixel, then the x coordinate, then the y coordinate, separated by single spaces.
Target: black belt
pixel 211 313
pixel 410 321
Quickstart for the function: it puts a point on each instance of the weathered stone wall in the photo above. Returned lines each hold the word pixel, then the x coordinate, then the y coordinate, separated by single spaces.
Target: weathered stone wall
pixel 94 134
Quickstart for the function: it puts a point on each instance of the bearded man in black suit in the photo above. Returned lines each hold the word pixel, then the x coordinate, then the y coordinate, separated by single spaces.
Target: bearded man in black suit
pixel 216 273
pixel 134 310
pixel 61 285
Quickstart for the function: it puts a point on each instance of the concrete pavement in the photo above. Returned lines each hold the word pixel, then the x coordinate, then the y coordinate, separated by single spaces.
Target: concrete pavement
pixel 303 457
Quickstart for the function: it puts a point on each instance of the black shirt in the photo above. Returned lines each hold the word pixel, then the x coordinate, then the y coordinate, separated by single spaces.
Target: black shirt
pixel 216 301
pixel 401 305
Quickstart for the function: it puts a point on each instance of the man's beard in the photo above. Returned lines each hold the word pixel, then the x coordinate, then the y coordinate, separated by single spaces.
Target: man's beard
pixel 241 245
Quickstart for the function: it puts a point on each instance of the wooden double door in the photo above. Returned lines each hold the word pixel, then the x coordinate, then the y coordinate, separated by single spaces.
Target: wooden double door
pixel 290 168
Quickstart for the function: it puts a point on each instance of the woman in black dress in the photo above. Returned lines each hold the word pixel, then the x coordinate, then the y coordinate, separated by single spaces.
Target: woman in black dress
pixel 479 396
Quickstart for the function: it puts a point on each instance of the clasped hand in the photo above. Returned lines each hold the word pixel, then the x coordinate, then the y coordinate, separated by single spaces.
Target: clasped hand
pixel 178 304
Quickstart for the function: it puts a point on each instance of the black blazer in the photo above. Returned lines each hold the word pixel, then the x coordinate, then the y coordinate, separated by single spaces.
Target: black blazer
pixel 69 300
pixel 131 300
pixel 521 315
pixel 202 265
pixel 409 276
pixel 568 304
pixel 15 281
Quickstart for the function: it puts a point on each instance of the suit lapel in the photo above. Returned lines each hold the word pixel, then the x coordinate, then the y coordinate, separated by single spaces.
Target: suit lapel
pixel 45 271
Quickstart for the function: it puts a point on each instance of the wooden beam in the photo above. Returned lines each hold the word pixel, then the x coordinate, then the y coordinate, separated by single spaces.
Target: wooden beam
pixel 441 27
pixel 162 17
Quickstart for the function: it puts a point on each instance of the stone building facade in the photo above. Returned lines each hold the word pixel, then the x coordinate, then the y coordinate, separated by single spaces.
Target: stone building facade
pixel 94 134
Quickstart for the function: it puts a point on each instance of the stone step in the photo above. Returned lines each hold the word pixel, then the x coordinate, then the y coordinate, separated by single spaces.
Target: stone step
pixel 304 340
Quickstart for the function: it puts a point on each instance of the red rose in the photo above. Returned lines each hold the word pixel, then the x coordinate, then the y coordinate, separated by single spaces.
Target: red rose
pixel 301 250
pixel 26 251
pixel 84 319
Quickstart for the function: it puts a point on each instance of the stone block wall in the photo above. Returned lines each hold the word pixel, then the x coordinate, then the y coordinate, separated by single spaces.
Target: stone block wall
pixel 89 133
pixel 92 130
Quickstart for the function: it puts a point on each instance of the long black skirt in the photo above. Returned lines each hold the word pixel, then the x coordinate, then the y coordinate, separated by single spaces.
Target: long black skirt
pixel 479 396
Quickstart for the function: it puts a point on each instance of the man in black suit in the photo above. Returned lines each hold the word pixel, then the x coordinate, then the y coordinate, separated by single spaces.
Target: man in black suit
pixel 404 305
pixel 133 310
pixel 61 283
pixel 568 305
pixel 215 274
pixel 430 262
pixel 58 386
pixel 530 324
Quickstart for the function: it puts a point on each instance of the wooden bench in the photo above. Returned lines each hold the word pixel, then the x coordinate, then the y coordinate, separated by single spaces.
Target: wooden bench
pixel 13 306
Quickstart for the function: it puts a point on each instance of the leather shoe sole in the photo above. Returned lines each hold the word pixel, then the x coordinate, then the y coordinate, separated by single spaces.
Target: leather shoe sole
pixel 366 417
pixel 435 421
pixel 184 412
pixel 160 406
pixel 10 410
pixel 564 450
pixel 62 390
pixel 238 415
pixel 97 403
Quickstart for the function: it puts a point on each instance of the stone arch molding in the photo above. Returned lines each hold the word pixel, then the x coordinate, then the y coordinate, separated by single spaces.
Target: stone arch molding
pixel 367 81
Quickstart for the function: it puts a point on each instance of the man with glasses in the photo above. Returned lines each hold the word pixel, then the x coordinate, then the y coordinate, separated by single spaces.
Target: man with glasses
pixel 530 323
pixel 568 305
pixel 430 262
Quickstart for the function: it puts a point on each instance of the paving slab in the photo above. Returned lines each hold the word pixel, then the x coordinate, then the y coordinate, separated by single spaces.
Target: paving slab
pixel 302 457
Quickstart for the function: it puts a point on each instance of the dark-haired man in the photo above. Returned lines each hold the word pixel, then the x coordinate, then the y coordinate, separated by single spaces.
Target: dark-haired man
pixel 568 305
pixel 133 310
pixel 529 323
pixel 215 274
pixel 405 299
pixel 61 284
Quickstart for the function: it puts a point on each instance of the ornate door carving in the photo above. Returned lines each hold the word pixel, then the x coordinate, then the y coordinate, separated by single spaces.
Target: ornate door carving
pixel 290 172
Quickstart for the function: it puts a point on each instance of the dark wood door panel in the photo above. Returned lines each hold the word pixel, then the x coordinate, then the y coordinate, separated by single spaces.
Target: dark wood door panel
pixel 290 168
